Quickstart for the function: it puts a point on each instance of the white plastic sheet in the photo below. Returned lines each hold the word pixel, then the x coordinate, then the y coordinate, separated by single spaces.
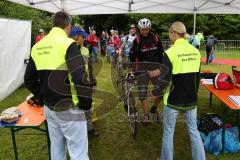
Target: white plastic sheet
pixel 15 43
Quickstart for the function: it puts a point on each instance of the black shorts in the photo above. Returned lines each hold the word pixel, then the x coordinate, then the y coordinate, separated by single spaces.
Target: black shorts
pixel 143 84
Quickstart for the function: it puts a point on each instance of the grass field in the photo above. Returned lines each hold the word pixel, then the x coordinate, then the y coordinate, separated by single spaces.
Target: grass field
pixel 225 52
pixel 115 141
pixel 224 56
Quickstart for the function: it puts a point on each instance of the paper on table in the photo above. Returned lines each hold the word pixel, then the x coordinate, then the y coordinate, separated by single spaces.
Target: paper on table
pixel 235 99
pixel 207 81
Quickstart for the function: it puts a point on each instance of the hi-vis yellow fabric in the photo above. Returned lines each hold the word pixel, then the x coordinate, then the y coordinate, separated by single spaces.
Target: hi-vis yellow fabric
pixel 84 51
pixel 49 53
pixel 184 58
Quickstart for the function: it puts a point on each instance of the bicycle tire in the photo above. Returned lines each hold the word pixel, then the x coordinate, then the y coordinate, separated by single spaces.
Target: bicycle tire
pixel 132 115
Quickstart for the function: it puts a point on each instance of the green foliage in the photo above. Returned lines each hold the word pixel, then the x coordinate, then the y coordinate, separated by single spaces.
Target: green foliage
pixel 40 19
pixel 106 22
pixel 222 26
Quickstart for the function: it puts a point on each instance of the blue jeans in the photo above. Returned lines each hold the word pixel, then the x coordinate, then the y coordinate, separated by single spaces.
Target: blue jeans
pixel 169 121
pixel 94 53
pixel 66 134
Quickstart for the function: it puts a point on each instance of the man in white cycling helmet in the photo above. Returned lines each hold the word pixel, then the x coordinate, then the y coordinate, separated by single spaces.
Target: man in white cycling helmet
pixel 146 52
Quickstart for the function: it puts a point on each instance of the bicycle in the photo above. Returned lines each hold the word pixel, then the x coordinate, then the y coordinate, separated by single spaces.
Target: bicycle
pixel 120 67
pixel 128 99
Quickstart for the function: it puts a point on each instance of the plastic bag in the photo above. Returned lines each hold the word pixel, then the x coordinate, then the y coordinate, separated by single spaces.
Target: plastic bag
pixel 213 141
pixel 211 57
pixel 10 115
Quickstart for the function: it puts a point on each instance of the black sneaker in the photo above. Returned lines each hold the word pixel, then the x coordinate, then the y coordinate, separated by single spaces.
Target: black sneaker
pixel 93 133
pixel 153 109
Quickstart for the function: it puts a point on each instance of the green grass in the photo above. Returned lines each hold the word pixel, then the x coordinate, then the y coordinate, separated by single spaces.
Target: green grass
pixel 235 51
pixel 224 56
pixel 115 141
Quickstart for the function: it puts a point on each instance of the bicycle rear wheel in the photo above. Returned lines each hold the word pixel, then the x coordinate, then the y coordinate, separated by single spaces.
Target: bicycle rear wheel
pixel 132 113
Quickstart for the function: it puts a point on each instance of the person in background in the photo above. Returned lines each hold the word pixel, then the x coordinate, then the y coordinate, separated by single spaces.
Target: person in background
pixel 114 40
pixel 40 36
pixel 55 74
pixel 128 41
pixel 108 38
pixel 79 35
pixel 122 37
pixel 198 39
pixel 211 41
pixel 93 40
pixel 103 42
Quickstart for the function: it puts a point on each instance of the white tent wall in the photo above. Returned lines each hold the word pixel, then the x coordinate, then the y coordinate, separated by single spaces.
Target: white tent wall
pixel 15 43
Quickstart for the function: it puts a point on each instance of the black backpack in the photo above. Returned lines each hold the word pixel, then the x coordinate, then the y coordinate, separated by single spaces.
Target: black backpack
pixel 209 122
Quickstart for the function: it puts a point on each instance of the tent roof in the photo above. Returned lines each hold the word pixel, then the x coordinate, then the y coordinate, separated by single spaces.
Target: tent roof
pixel 88 7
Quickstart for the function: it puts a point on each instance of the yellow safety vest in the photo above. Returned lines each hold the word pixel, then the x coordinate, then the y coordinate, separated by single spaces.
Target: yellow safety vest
pixel 49 54
pixel 184 58
pixel 85 53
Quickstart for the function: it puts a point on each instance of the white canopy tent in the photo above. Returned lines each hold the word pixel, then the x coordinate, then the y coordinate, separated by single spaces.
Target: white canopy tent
pixel 90 7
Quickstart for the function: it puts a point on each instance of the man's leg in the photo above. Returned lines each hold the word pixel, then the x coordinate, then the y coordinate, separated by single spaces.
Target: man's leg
pixel 95 53
pixel 208 51
pixel 101 49
pixel 145 106
pixel 156 101
pixel 143 81
pixel 169 122
pixel 198 152
pixel 90 127
pixel 158 97
pixel 88 114
pixel 58 142
pixel 75 132
pixel 155 105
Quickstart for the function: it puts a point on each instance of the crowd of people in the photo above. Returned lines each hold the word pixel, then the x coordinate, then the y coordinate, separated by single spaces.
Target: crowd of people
pixel 60 73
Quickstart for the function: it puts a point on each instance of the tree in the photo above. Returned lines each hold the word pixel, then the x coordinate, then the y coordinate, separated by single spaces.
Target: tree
pixel 40 19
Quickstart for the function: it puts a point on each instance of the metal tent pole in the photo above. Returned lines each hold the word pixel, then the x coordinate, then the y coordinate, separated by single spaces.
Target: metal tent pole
pixel 194 17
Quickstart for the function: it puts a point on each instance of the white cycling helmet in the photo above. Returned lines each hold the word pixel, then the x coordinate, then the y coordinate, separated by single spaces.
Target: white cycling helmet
pixel 144 23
